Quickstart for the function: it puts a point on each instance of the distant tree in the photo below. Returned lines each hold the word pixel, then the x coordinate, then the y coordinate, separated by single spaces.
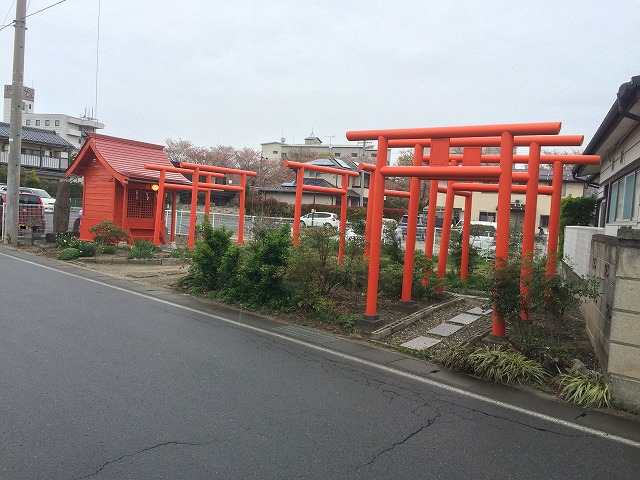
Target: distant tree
pixel 303 154
pixel 269 171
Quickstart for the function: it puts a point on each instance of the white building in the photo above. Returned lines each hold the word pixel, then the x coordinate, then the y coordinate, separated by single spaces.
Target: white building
pixel 313 147
pixel 70 128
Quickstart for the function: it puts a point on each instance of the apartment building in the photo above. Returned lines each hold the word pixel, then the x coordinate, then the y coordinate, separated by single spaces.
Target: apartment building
pixel 71 128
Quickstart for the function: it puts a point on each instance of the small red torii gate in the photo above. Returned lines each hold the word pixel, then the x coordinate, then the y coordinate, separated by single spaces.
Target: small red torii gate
pixel 300 187
pixel 196 170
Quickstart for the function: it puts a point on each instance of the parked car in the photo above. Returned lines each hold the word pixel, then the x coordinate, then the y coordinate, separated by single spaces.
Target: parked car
pixel 30 211
pixel 47 200
pixel 319 219
pixel 421 231
pixel 388 225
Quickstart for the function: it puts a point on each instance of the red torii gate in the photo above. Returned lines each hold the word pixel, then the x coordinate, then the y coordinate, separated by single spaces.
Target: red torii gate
pixel 196 171
pixel 472 156
pixel 439 169
pixel 343 192
pixel 440 149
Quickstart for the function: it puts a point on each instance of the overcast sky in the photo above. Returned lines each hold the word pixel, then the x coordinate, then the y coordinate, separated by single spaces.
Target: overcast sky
pixel 242 73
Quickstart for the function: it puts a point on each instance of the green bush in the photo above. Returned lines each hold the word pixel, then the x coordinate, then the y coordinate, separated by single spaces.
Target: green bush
pixel 575 211
pixel 87 249
pixel 260 276
pixel 590 391
pixel 508 366
pixel 142 249
pixel 207 255
pixel 65 240
pixel 107 249
pixel 180 253
pixel 69 253
pixel 108 233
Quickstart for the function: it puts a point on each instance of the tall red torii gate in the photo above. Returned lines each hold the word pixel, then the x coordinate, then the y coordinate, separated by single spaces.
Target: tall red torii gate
pixel 343 192
pixel 439 169
pixel 472 156
pixel 438 145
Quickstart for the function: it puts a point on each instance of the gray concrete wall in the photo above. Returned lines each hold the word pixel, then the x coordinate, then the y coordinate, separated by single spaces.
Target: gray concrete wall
pixel 577 247
pixel 613 320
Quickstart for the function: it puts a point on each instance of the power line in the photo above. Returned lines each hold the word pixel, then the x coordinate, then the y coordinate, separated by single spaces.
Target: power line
pixel 97 60
pixel 46 8
pixel 31 14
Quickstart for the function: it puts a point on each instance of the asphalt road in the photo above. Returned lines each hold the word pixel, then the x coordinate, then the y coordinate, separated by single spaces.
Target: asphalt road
pixel 101 380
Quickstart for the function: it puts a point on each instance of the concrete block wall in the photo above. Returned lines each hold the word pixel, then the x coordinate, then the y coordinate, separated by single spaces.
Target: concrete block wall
pixel 613 320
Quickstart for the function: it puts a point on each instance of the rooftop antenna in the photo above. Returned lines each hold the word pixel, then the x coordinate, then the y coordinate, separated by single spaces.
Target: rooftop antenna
pixel 282 139
pixel 330 137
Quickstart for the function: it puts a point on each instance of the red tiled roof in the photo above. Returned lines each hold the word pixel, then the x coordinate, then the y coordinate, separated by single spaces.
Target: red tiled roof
pixel 128 157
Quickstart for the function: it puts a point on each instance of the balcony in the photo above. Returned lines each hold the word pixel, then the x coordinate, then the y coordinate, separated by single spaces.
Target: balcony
pixel 517 206
pixel 36 161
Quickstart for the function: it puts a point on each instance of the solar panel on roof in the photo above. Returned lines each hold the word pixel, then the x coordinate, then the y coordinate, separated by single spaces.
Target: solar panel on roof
pixel 324 162
pixel 342 163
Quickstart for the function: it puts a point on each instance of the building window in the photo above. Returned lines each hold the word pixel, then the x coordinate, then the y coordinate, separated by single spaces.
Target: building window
pixel 57 123
pixel 487 217
pixel 354 154
pixel 275 152
pixel 37 123
pixel 544 221
pixel 47 123
pixel 374 155
pixel 28 122
pixel 613 201
pixel 629 194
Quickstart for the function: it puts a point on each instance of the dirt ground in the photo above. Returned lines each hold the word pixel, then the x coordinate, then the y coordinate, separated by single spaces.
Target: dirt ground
pixel 167 276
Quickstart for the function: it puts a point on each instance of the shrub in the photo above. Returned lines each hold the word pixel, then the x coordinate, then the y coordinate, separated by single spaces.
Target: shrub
pixel 207 255
pixel 590 391
pixel 65 240
pixel 142 249
pixel 261 272
pixel 508 366
pixel 69 253
pixel 87 249
pixel 575 211
pixel 180 253
pixel 108 233
pixel 107 249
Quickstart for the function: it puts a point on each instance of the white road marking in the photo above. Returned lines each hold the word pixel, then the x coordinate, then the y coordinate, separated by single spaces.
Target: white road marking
pixel 368 363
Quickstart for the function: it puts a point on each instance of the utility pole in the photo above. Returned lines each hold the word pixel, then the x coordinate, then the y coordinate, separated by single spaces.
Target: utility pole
pixel 10 232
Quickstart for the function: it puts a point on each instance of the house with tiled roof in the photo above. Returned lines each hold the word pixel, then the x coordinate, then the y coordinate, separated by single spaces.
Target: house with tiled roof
pixel 358 186
pixel 43 150
pixel 117 187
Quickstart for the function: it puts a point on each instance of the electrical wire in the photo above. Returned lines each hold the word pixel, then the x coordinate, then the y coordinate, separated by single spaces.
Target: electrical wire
pixel 95 115
pixel 31 14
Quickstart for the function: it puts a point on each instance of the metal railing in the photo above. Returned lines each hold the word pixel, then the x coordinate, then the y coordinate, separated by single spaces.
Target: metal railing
pixel 217 220
pixel 35 161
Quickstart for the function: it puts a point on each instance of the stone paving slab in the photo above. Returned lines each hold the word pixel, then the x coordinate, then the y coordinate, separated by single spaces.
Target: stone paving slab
pixel 420 343
pixel 479 311
pixel 464 319
pixel 445 329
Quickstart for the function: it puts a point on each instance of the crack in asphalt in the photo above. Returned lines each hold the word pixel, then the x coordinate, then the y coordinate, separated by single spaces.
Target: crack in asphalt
pixel 430 422
pixel 509 420
pixel 163 444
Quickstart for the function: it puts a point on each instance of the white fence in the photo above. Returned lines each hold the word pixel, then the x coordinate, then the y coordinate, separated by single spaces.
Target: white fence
pixel 577 247
pixel 217 220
